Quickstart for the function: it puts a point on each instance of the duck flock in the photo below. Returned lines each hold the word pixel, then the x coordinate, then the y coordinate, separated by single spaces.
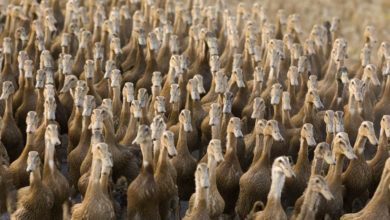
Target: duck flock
pixel 166 109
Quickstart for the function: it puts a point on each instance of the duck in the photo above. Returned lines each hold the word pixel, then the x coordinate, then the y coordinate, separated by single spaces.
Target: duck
pixel 142 194
pixel 11 137
pixel 8 200
pixel 341 148
pixel 28 102
pixel 89 76
pixel 165 176
pixel 17 168
pixel 352 111
pixel 211 126
pixel 281 168
pixel 377 163
pixel 316 187
pixel 379 108
pixel 77 155
pixel 201 197
pixel 216 204
pixel 39 199
pixel 52 178
pixel 296 186
pixel 256 182
pixel 358 169
pixel 229 170
pixel 7 74
pixel 75 120
pixel 95 204
pixel 184 162
pixel 377 207
pixel 124 119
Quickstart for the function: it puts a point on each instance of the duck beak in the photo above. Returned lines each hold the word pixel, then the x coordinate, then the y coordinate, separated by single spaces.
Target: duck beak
pixel 275 100
pixel 277 136
pixel 310 141
pixel 172 150
pixel 327 194
pixel 187 127
pixel 373 139
pixel 238 133
pixel 351 155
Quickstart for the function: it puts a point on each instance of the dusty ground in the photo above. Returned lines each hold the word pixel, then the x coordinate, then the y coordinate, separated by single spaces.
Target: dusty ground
pixel 354 15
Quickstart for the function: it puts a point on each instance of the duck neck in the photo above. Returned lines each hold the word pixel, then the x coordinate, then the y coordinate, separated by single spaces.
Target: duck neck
pixel 359 147
pixel 277 184
pixel 329 137
pixel 109 132
pixel 7 69
pixel 163 159
pixel 49 165
pixel 265 158
pixel 383 145
pixel 335 171
pixel 182 147
pixel 231 143
pixel 8 107
pixel 317 165
pixel 104 180
pixel 277 115
pixel 85 136
pixel 286 119
pixel 201 197
pixel 386 92
pixel 116 98
pixel 303 157
pixel 147 155
pixel 98 70
pixel 93 183
pixel 35 178
pixel 212 165
pixel 258 148
pixel 216 131
pixel 256 90
pixel 310 204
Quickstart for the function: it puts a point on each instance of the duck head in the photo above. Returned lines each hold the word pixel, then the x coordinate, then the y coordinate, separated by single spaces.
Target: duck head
pixel 159 104
pixel 107 162
pixel 370 35
pixel 365 55
pixel 215 150
pixel 115 46
pixel 258 74
pixel 185 120
pixel 272 129
pixel 328 119
pixel 202 178
pixel 234 127
pixel 200 86
pixel 143 97
pixel 276 93
pixel 318 184
pixel 303 64
pixel 283 165
pixel 323 151
pixel 70 82
pixel 97 121
pixel 89 104
pixel 31 122
pixel 313 97
pixel 385 125
pixel 221 81
pixel 174 93
pixel 258 108
pixel 192 88
pixel 80 92
pixel 259 126
pixel 308 134
pixel 338 121
pixel 33 161
pixel 214 114
pixel 136 109
pixel 8 90
pixel 116 78
pixel 168 141
pixel 292 75
pixel 366 129
pixel 357 89
pixel 109 67
pixel 341 145
pixel 89 69
pixel 98 51
pixel 238 77
pixel 157 126
pixel 51 135
pixel 370 74
pixel 67 64
pixel 128 92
